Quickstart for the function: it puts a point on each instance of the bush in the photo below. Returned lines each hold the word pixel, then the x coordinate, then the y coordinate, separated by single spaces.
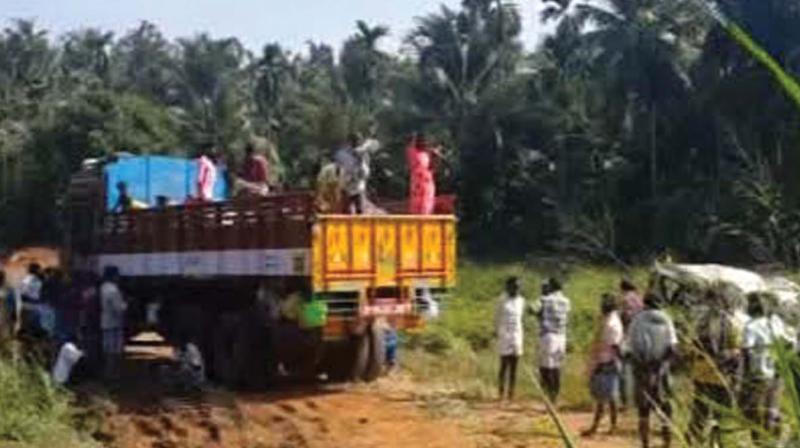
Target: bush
pixel 434 339
pixel 34 412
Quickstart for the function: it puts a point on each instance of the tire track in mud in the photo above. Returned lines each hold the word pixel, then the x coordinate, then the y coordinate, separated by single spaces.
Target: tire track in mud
pixel 140 412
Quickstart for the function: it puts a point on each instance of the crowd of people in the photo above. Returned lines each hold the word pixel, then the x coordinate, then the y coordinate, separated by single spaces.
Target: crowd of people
pixel 62 319
pixel 731 362
pixel 342 183
pixel 52 308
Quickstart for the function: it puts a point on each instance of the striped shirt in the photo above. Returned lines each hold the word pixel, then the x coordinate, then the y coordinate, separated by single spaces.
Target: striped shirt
pixel 553 314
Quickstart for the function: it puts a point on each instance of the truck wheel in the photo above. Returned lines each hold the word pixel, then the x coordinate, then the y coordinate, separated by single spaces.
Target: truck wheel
pixel 377 353
pixel 252 355
pixel 338 360
pixel 361 356
pixel 225 338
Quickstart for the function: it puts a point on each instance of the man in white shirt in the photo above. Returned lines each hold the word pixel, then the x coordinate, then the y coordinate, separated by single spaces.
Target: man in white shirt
pixel 31 288
pixel 508 316
pixel 354 162
pixel 206 176
pixel 553 313
pixel 112 320
pixel 761 388
pixel 30 292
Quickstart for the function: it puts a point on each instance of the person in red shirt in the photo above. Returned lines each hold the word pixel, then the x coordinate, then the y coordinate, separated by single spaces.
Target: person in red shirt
pixel 632 302
pixel 256 168
pixel 421 160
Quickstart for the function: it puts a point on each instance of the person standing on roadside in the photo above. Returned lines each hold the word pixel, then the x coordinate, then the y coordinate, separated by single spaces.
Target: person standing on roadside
pixel 31 294
pixel 509 312
pixel 715 362
pixel 653 342
pixel 761 384
pixel 112 321
pixel 553 315
pixel 9 317
pixel 604 364
pixel 89 332
pixel 632 304
pixel 51 297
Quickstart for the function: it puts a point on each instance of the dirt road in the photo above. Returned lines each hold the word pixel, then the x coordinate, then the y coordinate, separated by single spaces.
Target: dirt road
pixel 395 413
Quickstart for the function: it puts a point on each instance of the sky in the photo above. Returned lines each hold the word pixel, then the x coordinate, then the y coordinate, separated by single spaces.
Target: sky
pixel 255 22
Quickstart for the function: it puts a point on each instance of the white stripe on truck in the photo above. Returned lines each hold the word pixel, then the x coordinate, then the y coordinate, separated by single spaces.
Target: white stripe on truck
pixel 255 262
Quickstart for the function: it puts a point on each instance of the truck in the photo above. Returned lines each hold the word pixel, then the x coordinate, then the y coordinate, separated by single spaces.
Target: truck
pixel 228 273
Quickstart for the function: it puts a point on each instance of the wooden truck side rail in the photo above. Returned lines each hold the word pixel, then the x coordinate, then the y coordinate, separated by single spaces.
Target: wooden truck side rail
pixel 275 222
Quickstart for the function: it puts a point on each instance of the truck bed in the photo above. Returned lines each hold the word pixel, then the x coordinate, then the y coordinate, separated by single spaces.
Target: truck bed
pixel 280 235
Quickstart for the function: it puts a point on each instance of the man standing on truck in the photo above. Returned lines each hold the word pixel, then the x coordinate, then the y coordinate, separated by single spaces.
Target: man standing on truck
pixel 255 168
pixel 112 321
pixel 124 201
pixel 354 161
pixel 206 175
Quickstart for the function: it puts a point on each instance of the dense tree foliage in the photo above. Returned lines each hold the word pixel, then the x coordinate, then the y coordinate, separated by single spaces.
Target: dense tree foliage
pixel 637 126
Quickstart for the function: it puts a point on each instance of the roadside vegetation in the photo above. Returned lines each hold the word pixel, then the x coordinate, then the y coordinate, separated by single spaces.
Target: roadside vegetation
pixel 34 413
pixel 457 353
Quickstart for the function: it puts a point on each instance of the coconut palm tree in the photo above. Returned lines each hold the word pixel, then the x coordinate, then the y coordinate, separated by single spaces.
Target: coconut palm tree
pixel 363 65
pixel 270 75
pixel 210 91
pixel 644 49
pixel 86 56
pixel 142 62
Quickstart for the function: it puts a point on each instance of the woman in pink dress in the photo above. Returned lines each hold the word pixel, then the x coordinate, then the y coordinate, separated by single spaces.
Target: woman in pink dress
pixel 423 187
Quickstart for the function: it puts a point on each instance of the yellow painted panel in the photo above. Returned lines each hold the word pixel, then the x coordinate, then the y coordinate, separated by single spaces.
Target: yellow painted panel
pixel 432 253
pixel 450 253
pixel 337 247
pixel 362 246
pixel 386 253
pixel 409 246
pixel 316 257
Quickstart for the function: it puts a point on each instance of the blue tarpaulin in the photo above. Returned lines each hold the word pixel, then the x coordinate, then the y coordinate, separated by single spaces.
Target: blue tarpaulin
pixel 149 177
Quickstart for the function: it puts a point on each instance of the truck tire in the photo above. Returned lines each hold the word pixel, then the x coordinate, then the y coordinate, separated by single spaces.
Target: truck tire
pixel 361 356
pixel 337 361
pixel 225 339
pixel 377 353
pixel 252 354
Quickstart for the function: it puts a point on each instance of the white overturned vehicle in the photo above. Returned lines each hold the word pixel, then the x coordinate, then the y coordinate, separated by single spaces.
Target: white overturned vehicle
pixel 687 284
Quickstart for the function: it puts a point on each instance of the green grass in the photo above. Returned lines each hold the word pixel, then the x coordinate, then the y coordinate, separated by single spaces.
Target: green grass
pixel 459 349
pixel 33 412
